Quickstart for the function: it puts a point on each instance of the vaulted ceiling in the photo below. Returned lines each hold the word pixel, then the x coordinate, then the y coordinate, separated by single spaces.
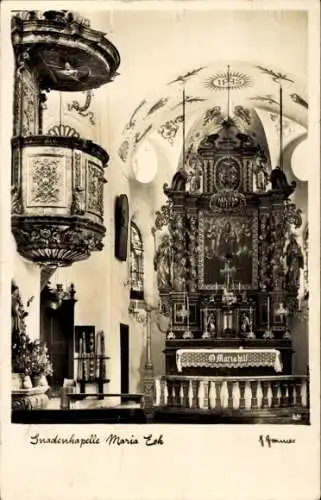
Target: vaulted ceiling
pixel 252 86
pixel 164 51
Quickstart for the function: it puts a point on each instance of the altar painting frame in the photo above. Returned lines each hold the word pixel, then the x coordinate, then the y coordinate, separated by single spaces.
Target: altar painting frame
pixel 204 218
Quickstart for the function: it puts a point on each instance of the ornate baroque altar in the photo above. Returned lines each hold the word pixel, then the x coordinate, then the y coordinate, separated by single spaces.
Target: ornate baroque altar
pixel 228 265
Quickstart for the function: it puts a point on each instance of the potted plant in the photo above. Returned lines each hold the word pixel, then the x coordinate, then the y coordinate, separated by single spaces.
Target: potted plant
pixel 40 364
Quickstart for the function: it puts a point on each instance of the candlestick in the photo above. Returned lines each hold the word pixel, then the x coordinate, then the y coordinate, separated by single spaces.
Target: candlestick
pixel 85 364
pixel 80 361
pixel 205 331
pixel 98 354
pixel 251 334
pixel 103 354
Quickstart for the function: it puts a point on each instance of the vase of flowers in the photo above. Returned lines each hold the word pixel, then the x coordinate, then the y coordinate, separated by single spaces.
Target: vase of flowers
pixel 30 362
pixel 40 364
pixel 21 361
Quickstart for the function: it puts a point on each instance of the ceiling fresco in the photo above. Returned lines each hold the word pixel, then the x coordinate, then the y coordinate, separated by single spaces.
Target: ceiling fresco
pixel 251 86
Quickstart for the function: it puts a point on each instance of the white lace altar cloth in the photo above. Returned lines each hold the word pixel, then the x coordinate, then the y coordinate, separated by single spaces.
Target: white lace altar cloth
pixel 228 358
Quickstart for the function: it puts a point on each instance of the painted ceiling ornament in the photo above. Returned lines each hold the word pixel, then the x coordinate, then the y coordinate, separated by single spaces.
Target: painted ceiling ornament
pixel 140 136
pixel 83 110
pixel 170 128
pixel 123 150
pixel 299 100
pixel 190 100
pixel 213 115
pixel 276 76
pixel 158 105
pixel 234 80
pixel 243 114
pixel 268 99
pixel 131 123
pixel 183 78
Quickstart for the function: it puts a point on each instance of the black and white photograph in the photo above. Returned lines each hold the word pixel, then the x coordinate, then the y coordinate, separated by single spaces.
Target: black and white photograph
pixel 163 188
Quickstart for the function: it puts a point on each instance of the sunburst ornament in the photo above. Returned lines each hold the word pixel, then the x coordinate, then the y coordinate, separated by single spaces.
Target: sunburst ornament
pixel 223 81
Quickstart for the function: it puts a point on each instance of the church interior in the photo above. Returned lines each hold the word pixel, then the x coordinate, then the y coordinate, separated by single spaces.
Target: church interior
pixel 159 216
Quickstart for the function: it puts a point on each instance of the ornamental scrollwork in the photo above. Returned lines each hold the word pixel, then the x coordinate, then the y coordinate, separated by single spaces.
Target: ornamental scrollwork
pixel 292 215
pixel 16 201
pixel 46 181
pixel 83 110
pixel 170 128
pixel 77 203
pixel 163 215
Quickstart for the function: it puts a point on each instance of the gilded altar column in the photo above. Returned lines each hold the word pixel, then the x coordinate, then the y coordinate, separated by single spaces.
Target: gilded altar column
pixel 192 252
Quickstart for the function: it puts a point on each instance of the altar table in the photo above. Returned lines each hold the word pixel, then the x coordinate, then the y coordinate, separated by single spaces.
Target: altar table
pixel 228 358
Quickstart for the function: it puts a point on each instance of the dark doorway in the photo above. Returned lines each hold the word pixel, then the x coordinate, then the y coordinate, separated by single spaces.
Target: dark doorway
pixel 57 330
pixel 124 360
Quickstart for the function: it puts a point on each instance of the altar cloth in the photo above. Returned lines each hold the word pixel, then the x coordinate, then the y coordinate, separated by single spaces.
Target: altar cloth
pixel 228 358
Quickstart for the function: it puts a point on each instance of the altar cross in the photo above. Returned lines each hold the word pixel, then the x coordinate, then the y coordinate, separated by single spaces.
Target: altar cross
pixel 228 271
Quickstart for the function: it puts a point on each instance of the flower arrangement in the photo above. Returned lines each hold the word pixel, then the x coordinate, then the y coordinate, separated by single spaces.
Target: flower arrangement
pixel 21 348
pixel 40 363
pixel 30 357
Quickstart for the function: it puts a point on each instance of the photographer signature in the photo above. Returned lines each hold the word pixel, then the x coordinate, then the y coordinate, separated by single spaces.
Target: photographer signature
pixel 267 440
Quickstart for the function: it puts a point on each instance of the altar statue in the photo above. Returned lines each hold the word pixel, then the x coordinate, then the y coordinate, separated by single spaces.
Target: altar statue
pixel 163 263
pixel 294 262
pixel 211 325
pixel 261 174
pixel 194 181
pixel 245 323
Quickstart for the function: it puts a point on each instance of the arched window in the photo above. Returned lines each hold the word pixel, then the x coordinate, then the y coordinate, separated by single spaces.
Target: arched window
pixel 136 263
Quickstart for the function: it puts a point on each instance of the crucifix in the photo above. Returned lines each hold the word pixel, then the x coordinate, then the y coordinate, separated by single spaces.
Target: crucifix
pixel 228 272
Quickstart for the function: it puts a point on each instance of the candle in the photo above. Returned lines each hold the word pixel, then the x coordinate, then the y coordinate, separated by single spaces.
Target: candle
pixel 268 311
pixel 239 286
